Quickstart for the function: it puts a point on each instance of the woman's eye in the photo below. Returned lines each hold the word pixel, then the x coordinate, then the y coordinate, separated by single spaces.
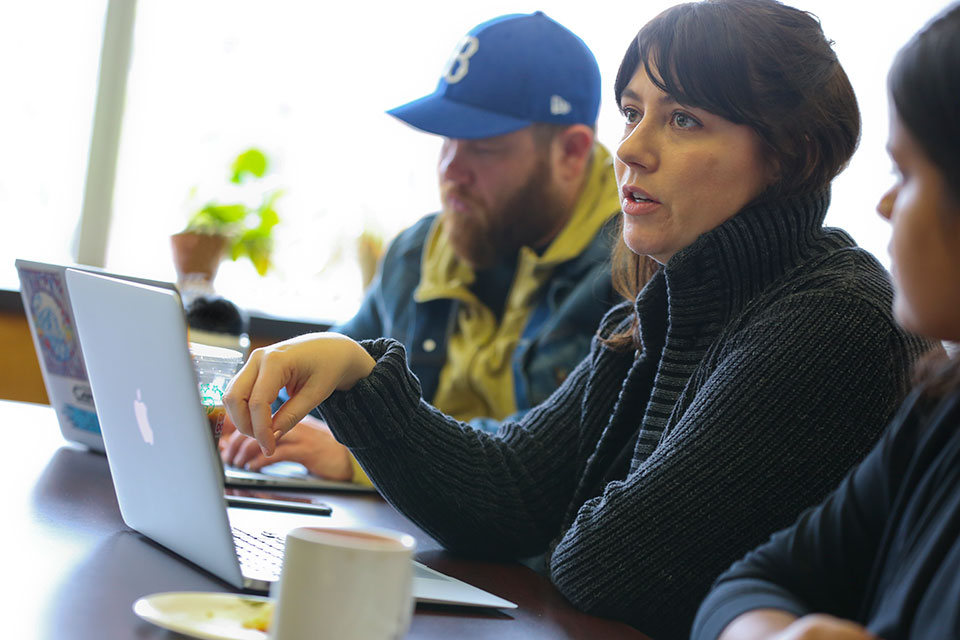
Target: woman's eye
pixel 631 115
pixel 684 120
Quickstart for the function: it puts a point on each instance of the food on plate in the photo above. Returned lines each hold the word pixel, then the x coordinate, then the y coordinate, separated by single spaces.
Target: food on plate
pixel 262 615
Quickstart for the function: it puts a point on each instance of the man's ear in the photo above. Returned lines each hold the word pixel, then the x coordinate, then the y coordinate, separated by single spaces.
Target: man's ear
pixel 571 151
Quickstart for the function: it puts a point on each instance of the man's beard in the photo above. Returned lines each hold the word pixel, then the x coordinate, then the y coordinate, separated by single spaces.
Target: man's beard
pixel 485 238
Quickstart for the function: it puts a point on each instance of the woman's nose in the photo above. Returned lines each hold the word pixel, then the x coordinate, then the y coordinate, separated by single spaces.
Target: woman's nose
pixel 639 147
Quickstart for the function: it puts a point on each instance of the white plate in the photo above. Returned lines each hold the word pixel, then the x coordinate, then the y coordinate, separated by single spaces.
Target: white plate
pixel 211 616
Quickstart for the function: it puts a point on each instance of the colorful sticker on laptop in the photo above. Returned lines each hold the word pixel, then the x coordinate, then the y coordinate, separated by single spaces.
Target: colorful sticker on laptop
pixel 82 393
pixel 82 419
pixel 53 323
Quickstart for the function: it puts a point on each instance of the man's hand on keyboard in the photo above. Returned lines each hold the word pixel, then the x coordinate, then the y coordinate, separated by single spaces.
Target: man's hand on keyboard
pixel 310 443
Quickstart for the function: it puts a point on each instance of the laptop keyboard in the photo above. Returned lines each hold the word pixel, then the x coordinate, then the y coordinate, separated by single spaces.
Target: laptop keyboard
pixel 260 554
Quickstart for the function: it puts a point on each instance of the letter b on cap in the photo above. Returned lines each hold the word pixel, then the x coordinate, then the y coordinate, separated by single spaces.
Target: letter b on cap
pixel 459 63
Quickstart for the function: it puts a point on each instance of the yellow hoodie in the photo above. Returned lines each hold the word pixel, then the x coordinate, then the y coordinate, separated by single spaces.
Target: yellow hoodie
pixel 477 379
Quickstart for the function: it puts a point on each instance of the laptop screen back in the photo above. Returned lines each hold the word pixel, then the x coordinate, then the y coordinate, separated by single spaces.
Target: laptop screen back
pixel 53 329
pixel 164 465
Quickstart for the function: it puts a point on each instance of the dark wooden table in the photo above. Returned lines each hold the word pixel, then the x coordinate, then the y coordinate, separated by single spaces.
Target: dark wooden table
pixel 74 570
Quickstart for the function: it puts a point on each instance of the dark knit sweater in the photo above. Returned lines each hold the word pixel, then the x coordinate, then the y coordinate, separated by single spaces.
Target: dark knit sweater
pixel 770 364
pixel 883 549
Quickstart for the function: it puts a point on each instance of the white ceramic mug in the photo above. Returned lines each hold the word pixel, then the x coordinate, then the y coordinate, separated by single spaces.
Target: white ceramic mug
pixel 344 583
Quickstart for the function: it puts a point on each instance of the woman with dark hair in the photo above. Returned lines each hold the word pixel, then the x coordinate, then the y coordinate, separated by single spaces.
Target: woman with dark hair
pixel 725 395
pixel 880 557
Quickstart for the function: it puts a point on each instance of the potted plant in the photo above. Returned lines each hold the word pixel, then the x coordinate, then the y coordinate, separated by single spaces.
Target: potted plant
pixel 235 229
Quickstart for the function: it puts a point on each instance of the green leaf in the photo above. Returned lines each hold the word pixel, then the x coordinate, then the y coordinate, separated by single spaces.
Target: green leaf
pixel 227 213
pixel 268 219
pixel 256 244
pixel 236 251
pixel 212 218
pixel 252 163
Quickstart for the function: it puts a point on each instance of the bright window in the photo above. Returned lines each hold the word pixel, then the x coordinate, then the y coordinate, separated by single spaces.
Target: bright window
pixel 309 82
pixel 50 52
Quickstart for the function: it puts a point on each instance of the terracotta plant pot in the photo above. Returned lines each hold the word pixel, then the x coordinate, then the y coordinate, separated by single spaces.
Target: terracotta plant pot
pixel 197 254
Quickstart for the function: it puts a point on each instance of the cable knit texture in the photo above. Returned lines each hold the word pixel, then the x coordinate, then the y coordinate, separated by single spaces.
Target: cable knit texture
pixel 770 365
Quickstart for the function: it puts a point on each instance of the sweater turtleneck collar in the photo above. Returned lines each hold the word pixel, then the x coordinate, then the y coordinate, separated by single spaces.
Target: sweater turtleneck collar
pixel 707 283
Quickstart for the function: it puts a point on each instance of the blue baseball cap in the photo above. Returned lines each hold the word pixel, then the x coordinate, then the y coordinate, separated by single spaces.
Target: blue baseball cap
pixel 506 74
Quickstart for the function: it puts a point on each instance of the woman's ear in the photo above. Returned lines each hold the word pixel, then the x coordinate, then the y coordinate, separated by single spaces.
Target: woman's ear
pixel 774 173
pixel 773 169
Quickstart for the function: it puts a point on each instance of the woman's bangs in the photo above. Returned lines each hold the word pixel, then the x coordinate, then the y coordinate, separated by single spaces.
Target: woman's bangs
pixel 690 56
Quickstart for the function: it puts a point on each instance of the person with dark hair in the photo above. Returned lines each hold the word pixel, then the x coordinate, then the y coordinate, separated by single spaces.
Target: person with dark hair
pixel 726 394
pixel 880 557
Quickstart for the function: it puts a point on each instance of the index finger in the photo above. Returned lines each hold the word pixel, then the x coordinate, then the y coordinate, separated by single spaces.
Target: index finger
pixel 248 401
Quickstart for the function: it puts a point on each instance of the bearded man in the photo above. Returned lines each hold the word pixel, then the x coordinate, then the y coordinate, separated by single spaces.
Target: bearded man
pixel 497 297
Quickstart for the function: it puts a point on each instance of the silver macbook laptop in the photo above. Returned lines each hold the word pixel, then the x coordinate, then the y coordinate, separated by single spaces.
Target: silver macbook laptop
pixel 50 316
pixel 162 459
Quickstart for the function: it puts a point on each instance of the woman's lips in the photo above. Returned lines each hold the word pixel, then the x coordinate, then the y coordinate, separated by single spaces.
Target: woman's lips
pixel 637 202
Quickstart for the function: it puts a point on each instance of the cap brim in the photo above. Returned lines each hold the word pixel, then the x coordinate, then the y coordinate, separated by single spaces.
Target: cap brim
pixel 444 117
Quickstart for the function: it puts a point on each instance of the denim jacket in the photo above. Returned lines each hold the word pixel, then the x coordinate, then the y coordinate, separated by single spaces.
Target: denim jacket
pixel 556 337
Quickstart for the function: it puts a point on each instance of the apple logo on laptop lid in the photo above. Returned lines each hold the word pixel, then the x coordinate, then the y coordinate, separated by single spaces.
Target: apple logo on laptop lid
pixel 143 423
